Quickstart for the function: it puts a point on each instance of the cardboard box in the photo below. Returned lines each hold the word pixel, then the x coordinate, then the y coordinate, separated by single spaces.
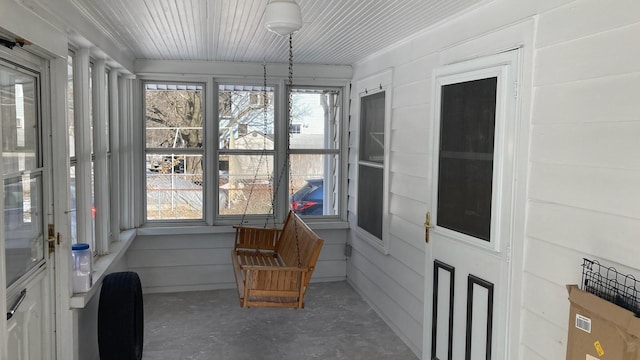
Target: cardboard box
pixel 600 330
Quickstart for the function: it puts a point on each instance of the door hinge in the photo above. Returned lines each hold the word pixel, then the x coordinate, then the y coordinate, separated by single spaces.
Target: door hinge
pixel 508 254
pixel 515 89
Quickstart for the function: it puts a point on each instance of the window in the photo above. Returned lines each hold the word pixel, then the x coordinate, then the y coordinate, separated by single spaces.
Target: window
pixel 89 138
pixel 315 153
pixel 73 161
pixel 112 201
pixel 22 170
pixel 246 150
pixel 468 113
pixel 92 178
pixel 174 138
pixel 371 163
pixel 249 157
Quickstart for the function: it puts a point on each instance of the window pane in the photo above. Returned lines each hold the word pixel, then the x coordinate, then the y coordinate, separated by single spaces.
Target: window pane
pixel 245 185
pixel 70 107
pixel 314 184
pixel 73 204
pixel 19 121
pixel 93 208
pixel 174 187
pixel 24 245
pixel 107 114
pixel 370 181
pixel 243 122
pixel 372 127
pixel 315 119
pixel 91 107
pixel 174 114
pixel 466 157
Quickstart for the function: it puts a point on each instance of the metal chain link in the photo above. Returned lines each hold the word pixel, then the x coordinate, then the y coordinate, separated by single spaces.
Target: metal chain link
pixel 290 98
pixel 265 128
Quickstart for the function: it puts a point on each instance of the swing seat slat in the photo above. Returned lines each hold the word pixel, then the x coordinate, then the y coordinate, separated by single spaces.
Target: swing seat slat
pixel 273 267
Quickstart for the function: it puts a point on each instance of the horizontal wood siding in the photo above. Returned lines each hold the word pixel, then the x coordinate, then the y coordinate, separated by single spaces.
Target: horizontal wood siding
pixel 170 263
pixel 580 116
pixel 585 163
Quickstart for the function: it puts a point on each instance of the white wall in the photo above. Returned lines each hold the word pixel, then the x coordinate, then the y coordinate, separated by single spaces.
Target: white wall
pixel 585 159
pixel 579 147
pixel 171 263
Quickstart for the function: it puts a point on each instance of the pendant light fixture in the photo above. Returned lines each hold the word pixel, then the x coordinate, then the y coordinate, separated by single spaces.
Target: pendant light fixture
pixel 283 17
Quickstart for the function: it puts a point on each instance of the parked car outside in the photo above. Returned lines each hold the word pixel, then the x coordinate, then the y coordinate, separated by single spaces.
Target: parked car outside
pixel 308 199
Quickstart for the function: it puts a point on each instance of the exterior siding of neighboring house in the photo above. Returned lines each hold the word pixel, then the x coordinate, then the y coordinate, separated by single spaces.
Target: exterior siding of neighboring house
pixel 580 125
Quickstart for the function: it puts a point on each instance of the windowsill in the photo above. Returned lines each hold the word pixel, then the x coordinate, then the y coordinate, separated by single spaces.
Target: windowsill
pixel 380 245
pixel 102 267
pixel 104 264
pixel 226 229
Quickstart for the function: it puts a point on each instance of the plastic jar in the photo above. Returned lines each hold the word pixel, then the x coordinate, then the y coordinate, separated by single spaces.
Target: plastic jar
pixel 82 268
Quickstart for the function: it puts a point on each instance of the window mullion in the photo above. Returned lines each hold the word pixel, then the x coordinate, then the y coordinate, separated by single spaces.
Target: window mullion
pixel 100 166
pixel 82 100
pixel 114 138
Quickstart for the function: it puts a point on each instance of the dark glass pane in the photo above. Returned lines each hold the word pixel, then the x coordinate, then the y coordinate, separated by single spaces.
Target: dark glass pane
pixel 466 157
pixel 372 128
pixel 468 116
pixel 370 199
pixel 464 196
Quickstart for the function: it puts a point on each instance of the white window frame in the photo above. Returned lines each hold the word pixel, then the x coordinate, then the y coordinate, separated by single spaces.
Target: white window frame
pixel 202 151
pixel 106 231
pixel 210 156
pixel 381 82
pixel 327 150
pixel 501 67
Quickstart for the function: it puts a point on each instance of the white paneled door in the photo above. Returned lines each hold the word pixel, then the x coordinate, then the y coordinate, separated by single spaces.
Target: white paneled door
pixel 469 223
pixel 26 285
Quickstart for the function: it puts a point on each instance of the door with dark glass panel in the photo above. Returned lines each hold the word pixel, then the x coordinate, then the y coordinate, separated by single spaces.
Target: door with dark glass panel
pixel 468 223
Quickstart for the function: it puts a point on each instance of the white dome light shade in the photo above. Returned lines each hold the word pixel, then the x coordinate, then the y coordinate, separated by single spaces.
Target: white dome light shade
pixel 283 17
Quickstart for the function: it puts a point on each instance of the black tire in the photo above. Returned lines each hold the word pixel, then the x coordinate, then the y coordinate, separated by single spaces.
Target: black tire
pixel 120 317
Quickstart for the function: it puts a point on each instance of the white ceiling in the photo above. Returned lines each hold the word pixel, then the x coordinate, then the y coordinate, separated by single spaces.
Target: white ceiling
pixel 333 32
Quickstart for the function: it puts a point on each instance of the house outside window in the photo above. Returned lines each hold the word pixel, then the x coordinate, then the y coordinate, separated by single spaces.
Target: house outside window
pixel 246 150
pixel 252 175
pixel 174 152
pixel 315 152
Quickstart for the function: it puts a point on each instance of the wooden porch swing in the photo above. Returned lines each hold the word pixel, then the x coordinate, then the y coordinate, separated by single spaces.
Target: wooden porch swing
pixel 273 266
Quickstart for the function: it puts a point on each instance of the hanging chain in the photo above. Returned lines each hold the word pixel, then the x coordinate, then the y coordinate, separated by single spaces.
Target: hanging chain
pixel 290 100
pixel 287 166
pixel 265 112
pixel 263 154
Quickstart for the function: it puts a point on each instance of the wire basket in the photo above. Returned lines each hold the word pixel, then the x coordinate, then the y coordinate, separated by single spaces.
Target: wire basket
pixel 607 283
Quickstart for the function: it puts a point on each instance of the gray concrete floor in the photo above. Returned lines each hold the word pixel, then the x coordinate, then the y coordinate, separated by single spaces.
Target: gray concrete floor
pixel 210 325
